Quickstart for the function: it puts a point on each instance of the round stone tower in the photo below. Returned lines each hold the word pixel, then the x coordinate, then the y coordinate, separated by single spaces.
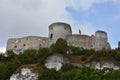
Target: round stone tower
pixel 100 40
pixel 59 30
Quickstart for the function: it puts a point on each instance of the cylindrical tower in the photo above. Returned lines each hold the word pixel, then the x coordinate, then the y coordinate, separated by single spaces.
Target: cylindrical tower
pixel 100 40
pixel 59 30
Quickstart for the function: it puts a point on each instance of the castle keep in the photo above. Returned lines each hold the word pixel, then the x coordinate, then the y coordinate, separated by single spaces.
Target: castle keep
pixel 60 30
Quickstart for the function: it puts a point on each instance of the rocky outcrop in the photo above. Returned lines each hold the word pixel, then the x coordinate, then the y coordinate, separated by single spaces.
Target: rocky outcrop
pixel 25 74
pixel 101 65
pixel 57 62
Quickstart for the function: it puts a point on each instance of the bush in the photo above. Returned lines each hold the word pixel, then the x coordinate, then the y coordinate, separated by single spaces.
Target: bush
pixel 28 56
pixel 10 56
pixel 74 50
pixel 7 69
pixel 67 67
pixel 59 47
pixel 87 73
pixel 69 75
pixel 42 54
pixel 48 74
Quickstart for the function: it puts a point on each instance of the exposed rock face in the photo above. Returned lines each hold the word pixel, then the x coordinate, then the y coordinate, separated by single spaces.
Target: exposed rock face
pixel 101 65
pixel 57 61
pixel 25 74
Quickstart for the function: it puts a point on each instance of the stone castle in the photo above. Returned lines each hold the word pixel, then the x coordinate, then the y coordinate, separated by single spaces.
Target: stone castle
pixel 58 30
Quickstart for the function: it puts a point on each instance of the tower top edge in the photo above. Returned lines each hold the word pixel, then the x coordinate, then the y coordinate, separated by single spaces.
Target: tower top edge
pixel 100 31
pixel 59 23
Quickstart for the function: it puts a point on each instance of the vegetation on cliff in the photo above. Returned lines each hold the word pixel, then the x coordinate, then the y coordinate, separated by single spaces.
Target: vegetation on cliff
pixel 84 73
pixel 10 63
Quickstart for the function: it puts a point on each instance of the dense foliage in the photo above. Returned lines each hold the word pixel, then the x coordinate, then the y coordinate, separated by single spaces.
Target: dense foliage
pixel 42 54
pixel 90 55
pixel 84 73
pixel 11 62
pixel 48 74
pixel 7 69
pixel 28 57
pixel 59 47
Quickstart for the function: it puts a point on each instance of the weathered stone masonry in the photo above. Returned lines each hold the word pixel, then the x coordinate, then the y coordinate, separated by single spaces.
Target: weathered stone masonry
pixel 59 30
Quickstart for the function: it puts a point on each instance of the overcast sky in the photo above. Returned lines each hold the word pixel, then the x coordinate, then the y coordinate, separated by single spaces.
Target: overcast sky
pixel 20 18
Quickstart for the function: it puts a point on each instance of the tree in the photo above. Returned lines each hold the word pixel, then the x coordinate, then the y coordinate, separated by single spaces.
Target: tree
pixel 74 50
pixel 7 69
pixel 10 55
pixel 42 54
pixel 48 74
pixel 28 56
pixel 1 57
pixel 67 67
pixel 87 73
pixel 110 74
pixel 53 48
pixel 60 46
pixel 69 75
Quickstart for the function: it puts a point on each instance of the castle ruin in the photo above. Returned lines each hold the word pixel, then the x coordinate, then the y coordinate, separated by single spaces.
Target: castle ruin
pixel 58 30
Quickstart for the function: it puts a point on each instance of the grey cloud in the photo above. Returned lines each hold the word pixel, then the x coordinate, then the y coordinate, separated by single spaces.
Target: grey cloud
pixel 30 17
pixel 20 18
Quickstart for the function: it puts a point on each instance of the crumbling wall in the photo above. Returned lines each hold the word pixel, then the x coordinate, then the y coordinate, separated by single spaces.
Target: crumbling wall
pixel 83 41
pixel 31 42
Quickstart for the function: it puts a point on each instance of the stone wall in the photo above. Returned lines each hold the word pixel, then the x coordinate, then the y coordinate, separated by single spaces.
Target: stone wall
pixel 97 42
pixel 30 42
pixel 83 41
pixel 60 30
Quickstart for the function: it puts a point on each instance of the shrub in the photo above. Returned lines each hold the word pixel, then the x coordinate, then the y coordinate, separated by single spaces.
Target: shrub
pixel 48 74
pixel 28 56
pixel 42 54
pixel 67 67
pixel 60 46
